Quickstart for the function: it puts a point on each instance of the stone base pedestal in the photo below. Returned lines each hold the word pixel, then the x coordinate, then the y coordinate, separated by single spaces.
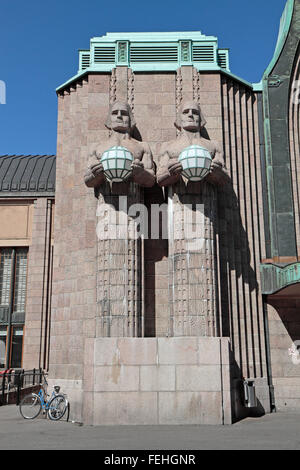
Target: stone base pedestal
pixel 127 381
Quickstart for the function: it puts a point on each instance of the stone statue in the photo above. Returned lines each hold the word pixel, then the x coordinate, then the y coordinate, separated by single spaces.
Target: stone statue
pixel 121 123
pixel 191 239
pixel 189 122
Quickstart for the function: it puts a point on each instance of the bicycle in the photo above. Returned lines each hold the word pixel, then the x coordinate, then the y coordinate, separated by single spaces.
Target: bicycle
pixel 55 407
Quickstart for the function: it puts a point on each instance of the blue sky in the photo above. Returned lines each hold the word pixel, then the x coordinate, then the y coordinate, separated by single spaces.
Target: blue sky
pixel 39 42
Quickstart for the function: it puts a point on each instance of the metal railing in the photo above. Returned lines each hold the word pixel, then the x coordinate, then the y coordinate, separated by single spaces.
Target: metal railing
pixel 14 383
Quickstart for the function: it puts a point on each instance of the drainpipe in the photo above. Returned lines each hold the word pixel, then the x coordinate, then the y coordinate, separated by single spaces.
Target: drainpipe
pixel 47 282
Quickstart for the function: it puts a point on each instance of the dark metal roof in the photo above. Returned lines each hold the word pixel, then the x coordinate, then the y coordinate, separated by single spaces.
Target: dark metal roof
pixel 27 175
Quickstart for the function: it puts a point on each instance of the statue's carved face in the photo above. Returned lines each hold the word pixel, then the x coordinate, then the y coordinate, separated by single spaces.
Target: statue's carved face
pixel 190 117
pixel 120 118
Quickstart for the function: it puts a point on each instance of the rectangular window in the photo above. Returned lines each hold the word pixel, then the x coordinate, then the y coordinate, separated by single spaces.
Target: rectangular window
pixel 5 276
pixel 3 336
pixel 16 347
pixel 19 273
pixel 13 276
pixel 20 280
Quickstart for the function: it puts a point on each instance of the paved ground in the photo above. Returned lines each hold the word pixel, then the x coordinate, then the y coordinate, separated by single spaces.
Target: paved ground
pixel 275 431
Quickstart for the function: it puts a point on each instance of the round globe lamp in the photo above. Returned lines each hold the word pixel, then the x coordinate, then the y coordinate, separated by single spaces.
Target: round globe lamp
pixel 116 163
pixel 196 162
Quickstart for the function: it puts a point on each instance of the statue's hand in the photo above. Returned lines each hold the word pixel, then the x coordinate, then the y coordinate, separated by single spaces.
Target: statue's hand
pixel 215 165
pixel 175 168
pixel 137 166
pixel 96 169
pixel 218 174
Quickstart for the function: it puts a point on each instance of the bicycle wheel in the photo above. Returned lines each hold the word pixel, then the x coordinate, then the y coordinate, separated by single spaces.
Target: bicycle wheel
pixel 30 407
pixel 57 407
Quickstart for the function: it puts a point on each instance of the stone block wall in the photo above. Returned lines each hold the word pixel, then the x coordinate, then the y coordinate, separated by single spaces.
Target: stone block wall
pixel 81 116
pixel 157 381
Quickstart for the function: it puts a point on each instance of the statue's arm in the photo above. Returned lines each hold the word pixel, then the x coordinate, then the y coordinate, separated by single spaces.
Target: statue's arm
pixel 94 175
pixel 169 169
pixel 218 159
pixel 143 171
pixel 218 173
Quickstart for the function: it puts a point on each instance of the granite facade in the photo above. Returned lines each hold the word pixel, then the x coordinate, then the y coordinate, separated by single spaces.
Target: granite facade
pixel 231 113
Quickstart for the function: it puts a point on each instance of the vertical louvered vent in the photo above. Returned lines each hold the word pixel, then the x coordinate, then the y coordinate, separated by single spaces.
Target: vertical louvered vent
pixel 154 54
pixel 222 60
pixel 85 60
pixel 203 53
pixel 104 55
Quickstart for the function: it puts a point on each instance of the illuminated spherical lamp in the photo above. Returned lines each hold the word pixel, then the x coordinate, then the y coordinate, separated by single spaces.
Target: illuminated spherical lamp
pixel 116 163
pixel 196 162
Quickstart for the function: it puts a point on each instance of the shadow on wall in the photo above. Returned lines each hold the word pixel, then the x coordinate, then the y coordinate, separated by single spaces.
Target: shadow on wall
pixel 288 312
pixel 239 307
pixel 155 251
pixel 239 288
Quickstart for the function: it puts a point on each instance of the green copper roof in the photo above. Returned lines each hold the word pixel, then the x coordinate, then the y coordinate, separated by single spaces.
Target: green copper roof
pixel 153 51
pixel 275 278
pixel 154 36
pixel 163 51
pixel 285 23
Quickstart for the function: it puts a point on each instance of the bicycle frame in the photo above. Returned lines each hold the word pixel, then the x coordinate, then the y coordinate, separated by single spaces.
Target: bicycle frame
pixel 45 403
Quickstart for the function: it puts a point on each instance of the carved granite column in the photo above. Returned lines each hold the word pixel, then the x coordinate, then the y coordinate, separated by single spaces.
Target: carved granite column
pixel 119 265
pixel 192 213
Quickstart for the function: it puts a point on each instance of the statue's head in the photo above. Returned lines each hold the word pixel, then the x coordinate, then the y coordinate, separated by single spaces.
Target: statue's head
pixel 120 117
pixel 190 117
